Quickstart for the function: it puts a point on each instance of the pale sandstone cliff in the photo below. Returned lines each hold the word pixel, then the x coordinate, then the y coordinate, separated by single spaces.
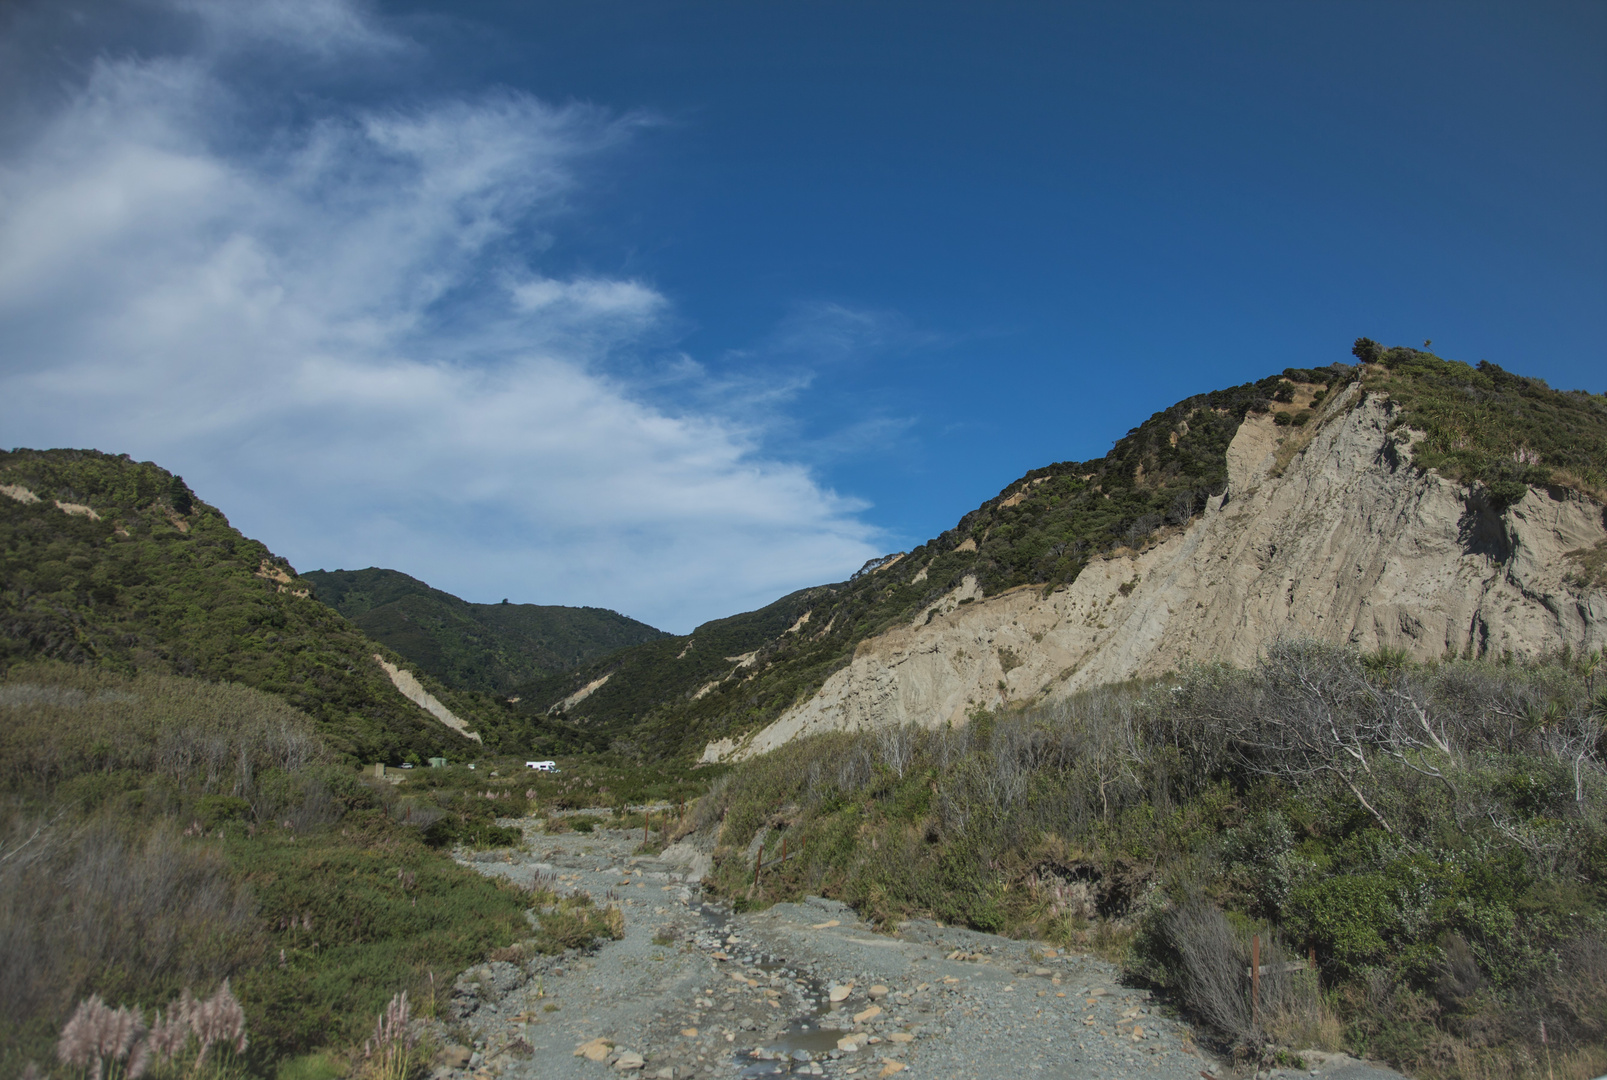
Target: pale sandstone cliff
pixel 1348 544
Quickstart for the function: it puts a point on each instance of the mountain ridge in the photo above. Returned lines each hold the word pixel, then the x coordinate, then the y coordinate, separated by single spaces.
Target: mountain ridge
pixel 1491 434
pixel 1348 545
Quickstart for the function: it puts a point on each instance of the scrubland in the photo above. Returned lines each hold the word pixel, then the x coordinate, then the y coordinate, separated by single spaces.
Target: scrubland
pixel 159 834
pixel 1432 835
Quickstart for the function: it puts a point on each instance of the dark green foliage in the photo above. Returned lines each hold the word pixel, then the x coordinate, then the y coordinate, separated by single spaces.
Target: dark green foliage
pixel 147 587
pixel 1366 350
pixel 359 914
pixel 471 823
pixel 490 647
pixel 595 780
pixel 1350 914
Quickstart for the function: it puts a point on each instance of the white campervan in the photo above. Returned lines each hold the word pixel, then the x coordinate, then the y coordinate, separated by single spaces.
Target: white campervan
pixel 542 766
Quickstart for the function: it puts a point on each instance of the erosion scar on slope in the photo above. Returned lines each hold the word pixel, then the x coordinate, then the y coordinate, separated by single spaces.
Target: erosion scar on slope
pixel 414 692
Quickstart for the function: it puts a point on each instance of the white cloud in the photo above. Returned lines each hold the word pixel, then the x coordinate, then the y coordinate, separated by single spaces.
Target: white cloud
pixel 337 336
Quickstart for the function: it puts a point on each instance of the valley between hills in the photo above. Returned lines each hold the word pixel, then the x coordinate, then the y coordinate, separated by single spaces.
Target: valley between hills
pixel 1303 678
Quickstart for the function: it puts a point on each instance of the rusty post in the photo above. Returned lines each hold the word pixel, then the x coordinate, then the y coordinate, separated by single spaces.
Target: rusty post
pixel 1255 978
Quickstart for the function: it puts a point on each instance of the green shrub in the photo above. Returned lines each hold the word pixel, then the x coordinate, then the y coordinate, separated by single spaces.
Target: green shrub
pixel 1346 917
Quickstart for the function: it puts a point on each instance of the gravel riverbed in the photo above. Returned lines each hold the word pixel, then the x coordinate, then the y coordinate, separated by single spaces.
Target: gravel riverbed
pixel 805 989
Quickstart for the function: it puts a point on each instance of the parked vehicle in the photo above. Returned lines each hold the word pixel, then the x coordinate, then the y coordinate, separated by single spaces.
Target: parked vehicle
pixel 542 766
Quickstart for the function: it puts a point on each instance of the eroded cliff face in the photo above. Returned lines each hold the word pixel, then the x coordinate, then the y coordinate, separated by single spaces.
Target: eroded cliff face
pixel 1339 539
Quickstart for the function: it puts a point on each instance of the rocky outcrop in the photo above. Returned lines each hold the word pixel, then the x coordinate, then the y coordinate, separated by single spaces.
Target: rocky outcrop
pixel 1326 531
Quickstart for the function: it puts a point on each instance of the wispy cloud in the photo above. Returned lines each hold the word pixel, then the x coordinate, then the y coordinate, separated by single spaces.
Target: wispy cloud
pixel 324 29
pixel 339 329
pixel 825 331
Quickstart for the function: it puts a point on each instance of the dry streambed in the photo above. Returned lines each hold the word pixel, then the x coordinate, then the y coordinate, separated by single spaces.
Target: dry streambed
pixel 692 990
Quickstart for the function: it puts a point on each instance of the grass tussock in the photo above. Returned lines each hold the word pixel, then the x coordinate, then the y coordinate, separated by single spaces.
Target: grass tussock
pixel 572 921
pixel 1433 835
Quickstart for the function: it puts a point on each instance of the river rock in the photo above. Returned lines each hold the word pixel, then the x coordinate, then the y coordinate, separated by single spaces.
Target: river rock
pixel 595 1050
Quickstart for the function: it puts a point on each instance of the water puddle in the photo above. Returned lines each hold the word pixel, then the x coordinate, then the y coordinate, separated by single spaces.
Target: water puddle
pixel 802 1041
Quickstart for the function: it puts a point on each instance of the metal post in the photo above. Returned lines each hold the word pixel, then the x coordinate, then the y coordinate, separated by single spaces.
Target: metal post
pixel 758 864
pixel 647 816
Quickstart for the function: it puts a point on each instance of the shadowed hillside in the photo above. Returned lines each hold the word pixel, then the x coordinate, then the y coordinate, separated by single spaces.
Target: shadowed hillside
pixel 489 647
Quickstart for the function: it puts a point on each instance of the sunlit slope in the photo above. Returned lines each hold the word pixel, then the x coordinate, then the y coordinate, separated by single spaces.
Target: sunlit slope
pixel 116 563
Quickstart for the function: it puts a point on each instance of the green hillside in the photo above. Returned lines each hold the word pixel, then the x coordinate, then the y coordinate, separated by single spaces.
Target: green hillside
pixel 138 575
pixel 1488 428
pixel 488 647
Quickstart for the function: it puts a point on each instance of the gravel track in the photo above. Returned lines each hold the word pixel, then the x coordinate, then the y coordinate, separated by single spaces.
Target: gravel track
pixel 692 990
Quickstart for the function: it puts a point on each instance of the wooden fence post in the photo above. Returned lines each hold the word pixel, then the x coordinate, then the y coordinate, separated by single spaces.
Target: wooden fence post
pixel 1255 979
pixel 647 817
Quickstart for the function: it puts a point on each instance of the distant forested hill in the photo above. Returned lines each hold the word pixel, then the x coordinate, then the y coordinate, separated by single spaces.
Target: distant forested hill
pixel 468 646
pixel 114 563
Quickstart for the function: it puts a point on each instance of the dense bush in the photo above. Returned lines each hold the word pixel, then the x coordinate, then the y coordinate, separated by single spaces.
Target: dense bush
pixel 1489 427
pixel 1434 835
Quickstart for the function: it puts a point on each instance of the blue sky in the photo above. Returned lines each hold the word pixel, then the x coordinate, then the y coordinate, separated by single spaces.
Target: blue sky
pixel 675 307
